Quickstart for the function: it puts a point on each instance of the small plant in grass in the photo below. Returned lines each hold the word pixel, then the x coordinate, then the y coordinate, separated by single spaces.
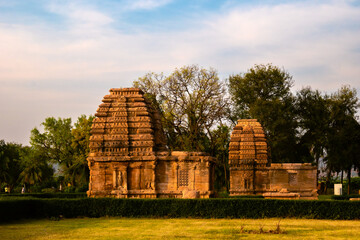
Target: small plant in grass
pixel 277 229
pixel 261 230
pixel 242 229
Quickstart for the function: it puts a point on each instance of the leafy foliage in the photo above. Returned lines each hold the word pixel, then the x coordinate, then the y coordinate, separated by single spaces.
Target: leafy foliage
pixel 65 145
pixel 55 142
pixel 178 208
pixel 193 106
pixel 264 93
pixel 35 167
pixel 79 170
pixel 344 197
pixel 191 101
pixel 307 127
pixel 220 150
pixel 313 117
pixel 9 164
pixel 43 195
pixel 344 133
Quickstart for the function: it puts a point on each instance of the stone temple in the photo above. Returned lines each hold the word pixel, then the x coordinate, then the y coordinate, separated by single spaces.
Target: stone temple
pixel 251 173
pixel 128 155
pixel 129 159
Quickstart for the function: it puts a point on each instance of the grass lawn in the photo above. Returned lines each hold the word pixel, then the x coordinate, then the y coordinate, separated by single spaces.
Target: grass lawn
pixel 145 228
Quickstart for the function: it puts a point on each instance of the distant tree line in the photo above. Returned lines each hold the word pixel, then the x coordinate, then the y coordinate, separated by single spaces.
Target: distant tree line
pixel 198 112
pixel 61 146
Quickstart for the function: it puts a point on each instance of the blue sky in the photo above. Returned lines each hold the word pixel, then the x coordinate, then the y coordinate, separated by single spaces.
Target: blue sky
pixel 59 57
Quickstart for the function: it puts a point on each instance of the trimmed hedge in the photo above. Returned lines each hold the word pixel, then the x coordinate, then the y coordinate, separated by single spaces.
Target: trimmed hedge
pixel 344 197
pixel 247 196
pixel 177 208
pixel 46 195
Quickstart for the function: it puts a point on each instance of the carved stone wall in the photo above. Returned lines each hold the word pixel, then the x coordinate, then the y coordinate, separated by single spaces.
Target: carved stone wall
pixel 250 172
pixel 128 156
pixel 247 152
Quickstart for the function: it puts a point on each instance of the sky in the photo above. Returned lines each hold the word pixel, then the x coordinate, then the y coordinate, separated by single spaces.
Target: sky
pixel 58 58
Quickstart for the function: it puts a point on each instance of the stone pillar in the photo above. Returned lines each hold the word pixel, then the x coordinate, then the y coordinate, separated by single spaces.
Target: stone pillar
pixel 115 176
pixel 91 166
pixel 125 184
pixel 153 179
pixel 194 177
pixel 176 182
pixel 102 169
pixel 139 177
pixel 208 169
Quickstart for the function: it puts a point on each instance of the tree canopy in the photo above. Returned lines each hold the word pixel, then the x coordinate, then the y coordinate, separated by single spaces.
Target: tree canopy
pixel 65 145
pixel 9 163
pixel 343 146
pixel 191 100
pixel 263 92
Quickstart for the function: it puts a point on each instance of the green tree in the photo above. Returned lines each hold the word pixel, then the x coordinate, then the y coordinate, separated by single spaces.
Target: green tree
pixel 220 150
pixel 191 102
pixel 4 164
pixel 313 116
pixel 79 170
pixel 9 164
pixel 264 93
pixel 63 144
pixel 35 168
pixel 55 141
pixel 343 152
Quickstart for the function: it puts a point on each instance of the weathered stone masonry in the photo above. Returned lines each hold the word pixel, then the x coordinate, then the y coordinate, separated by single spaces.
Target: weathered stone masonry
pixel 129 158
pixel 250 172
pixel 128 155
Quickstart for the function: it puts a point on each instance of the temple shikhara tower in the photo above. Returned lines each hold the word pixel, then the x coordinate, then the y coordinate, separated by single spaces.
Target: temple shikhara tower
pixel 129 158
pixel 247 152
pixel 251 173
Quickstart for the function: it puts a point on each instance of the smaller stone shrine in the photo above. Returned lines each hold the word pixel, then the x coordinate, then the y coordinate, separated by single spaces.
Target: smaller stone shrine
pixel 128 157
pixel 251 173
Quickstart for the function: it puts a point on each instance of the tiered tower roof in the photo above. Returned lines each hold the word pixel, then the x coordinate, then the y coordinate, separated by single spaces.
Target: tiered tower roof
pixel 126 127
pixel 248 144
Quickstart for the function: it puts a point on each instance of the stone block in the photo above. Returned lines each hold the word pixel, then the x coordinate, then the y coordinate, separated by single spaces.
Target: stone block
pixel 190 194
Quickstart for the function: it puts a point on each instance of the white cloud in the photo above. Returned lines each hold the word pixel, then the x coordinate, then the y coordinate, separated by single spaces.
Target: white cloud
pixel 50 71
pixel 296 36
pixel 292 35
pixel 80 14
pixel 146 4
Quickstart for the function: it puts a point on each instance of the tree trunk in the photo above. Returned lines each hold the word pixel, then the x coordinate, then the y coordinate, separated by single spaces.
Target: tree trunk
pixel 327 180
pixel 317 171
pixel 342 176
pixel 349 180
pixel 226 178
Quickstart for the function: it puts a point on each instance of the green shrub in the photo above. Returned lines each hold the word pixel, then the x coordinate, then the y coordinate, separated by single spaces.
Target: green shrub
pixel 48 190
pixel 222 194
pixel 69 189
pixel 247 196
pixel 344 197
pixel 35 189
pixel 45 195
pixel 178 208
pixel 325 197
pixel 17 189
pixel 82 188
